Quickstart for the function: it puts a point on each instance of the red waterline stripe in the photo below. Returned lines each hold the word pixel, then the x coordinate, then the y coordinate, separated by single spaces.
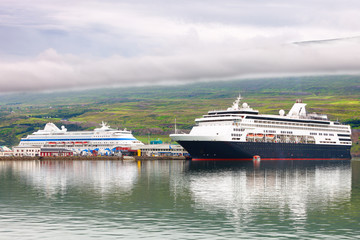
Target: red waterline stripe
pixel 250 159
pixel 222 159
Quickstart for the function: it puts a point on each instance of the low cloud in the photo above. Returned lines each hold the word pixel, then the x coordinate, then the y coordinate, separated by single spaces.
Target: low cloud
pixel 57 45
pixel 53 71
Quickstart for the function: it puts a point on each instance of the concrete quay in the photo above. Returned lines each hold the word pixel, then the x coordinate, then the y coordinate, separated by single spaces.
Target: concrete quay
pixel 93 158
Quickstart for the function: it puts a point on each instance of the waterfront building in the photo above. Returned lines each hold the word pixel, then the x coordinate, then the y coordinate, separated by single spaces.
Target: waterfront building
pixel 158 150
pixel 5 151
pixel 26 151
pixel 56 152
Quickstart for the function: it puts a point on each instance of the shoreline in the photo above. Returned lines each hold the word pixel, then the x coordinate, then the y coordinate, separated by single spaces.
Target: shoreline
pixel 106 158
pixel 93 158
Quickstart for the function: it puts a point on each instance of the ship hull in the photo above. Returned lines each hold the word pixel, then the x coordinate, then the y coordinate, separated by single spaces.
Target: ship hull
pixel 244 151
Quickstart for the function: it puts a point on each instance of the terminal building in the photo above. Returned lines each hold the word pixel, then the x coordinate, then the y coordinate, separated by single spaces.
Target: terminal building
pixel 5 151
pixel 26 151
pixel 34 151
pixel 56 152
pixel 158 150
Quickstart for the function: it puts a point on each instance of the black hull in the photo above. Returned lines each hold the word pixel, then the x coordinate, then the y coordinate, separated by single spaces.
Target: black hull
pixel 216 150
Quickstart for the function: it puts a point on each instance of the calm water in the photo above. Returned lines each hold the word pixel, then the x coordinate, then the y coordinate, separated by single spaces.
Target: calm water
pixel 178 200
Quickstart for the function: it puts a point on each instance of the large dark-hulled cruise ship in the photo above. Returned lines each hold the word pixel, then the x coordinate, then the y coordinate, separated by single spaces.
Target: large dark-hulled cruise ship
pixel 240 133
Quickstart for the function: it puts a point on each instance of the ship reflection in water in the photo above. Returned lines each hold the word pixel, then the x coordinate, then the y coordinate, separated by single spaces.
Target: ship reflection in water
pixel 179 199
pixel 280 191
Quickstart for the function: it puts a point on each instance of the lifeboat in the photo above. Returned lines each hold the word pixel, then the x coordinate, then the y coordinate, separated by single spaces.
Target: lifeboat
pixel 269 136
pixel 259 135
pixel 78 143
pixel 251 135
pixel 52 142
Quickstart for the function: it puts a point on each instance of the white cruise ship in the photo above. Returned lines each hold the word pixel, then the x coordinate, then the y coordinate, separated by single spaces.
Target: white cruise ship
pixel 240 133
pixel 100 138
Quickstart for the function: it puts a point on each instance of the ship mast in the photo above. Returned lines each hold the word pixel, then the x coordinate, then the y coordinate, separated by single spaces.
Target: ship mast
pixel 235 105
pixel 175 127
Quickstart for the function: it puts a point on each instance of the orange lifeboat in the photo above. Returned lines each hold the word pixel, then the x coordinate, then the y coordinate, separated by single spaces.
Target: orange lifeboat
pixel 270 136
pixel 250 135
pixel 259 135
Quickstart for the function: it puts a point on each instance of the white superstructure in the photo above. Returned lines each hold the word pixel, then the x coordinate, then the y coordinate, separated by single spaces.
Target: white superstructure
pixel 100 138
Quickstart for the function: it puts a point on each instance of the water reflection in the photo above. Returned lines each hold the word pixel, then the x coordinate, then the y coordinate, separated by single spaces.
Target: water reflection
pixel 55 177
pixel 180 199
pixel 283 189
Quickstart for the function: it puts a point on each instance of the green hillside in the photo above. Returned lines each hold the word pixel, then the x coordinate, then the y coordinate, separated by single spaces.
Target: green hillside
pixel 151 111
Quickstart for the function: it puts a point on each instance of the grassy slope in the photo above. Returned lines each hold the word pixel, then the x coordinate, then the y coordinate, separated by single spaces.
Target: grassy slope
pixel 152 110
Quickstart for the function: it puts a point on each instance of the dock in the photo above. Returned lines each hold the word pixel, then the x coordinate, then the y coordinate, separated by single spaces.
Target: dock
pixel 93 158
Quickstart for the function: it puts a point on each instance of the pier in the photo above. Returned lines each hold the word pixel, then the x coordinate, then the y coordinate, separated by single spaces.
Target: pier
pixel 93 158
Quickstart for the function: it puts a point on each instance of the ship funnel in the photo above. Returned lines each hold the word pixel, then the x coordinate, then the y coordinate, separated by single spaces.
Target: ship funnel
pixel 297 110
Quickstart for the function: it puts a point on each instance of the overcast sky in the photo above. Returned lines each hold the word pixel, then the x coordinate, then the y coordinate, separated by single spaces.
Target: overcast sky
pixel 57 44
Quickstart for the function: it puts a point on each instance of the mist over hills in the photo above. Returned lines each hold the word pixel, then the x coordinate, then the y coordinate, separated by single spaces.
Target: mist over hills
pixel 319 85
